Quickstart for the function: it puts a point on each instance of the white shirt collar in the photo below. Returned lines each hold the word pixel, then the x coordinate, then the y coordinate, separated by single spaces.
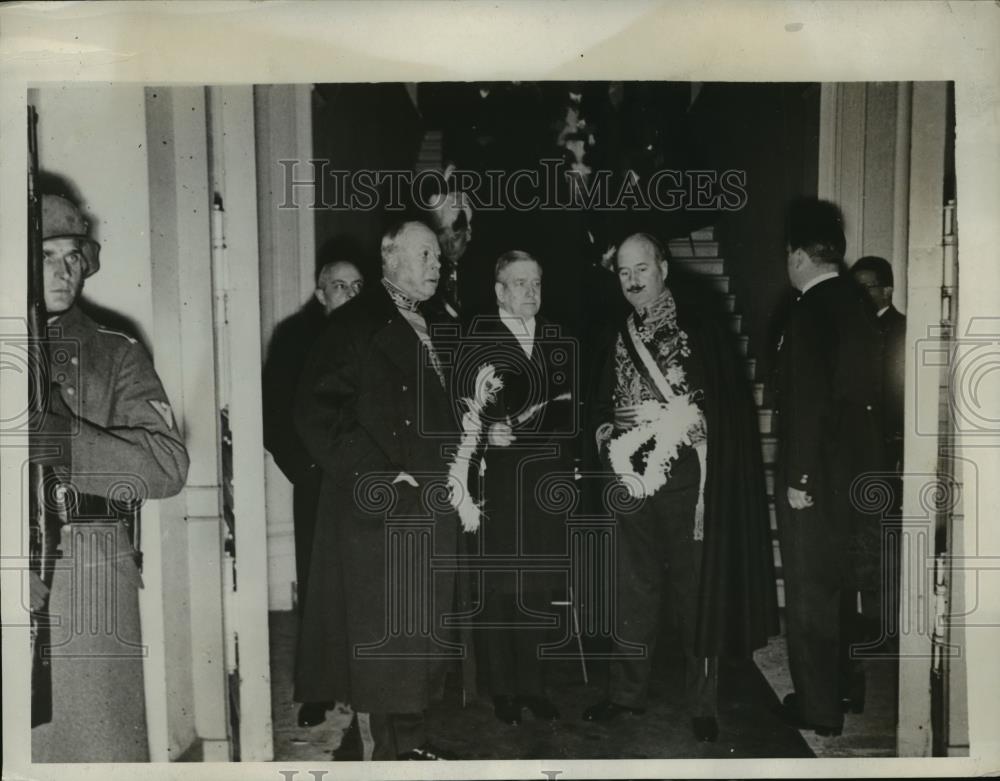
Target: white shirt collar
pixel 882 311
pixel 816 280
pixel 523 330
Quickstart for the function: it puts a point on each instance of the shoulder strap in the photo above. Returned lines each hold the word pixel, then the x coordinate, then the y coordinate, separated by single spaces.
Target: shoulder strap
pixel 633 344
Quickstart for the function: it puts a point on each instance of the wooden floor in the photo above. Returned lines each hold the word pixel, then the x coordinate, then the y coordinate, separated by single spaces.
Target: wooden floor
pixel 750 726
pixel 869 734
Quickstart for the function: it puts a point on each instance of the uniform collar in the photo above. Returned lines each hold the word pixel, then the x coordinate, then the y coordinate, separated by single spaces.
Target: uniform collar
pixel 662 309
pixel 817 280
pixel 399 298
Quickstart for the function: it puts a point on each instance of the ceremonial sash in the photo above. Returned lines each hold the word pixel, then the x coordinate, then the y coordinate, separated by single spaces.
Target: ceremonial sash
pixel 650 372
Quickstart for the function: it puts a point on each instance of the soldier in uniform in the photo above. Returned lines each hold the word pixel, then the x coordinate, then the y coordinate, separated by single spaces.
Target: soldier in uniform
pixel 111 441
pixel 828 394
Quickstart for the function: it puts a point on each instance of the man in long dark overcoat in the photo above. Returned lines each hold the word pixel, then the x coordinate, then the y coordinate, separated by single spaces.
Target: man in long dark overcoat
pixel 373 411
pixel 828 396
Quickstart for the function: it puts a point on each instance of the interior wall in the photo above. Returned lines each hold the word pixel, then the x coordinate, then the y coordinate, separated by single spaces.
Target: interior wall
pixel 283 118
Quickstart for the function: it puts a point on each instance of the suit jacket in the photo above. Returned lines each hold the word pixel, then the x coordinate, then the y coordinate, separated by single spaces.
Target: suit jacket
pixel 286 357
pixel 516 522
pixel 370 406
pixel 893 324
pixel 829 400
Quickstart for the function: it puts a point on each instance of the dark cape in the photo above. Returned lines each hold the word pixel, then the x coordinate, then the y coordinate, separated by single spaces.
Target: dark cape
pixel 737 602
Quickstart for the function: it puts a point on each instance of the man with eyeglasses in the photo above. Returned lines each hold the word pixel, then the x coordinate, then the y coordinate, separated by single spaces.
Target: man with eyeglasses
pixel 337 282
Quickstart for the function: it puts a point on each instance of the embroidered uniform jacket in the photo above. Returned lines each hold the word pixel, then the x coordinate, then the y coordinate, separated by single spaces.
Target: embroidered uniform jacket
pixel 737 600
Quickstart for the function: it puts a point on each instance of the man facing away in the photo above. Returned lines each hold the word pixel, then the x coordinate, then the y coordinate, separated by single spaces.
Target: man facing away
pixel 828 396
pixel 109 435
pixel 675 422
pixel 337 282
pixel 373 411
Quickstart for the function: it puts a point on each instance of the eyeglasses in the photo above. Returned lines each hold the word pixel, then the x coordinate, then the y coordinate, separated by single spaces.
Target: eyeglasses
pixel 342 287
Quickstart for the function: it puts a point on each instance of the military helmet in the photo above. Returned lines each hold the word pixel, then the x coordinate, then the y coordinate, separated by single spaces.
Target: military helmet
pixel 61 219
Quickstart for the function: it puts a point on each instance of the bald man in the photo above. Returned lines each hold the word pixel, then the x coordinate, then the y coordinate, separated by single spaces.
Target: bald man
pixel 676 425
pixel 373 412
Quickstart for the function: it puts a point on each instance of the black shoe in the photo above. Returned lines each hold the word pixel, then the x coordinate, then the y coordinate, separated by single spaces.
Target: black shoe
pixel 426 753
pixel 507 709
pixel 706 728
pixel 606 710
pixel 853 700
pixel 792 716
pixel 313 713
pixel 540 708
pixel 350 749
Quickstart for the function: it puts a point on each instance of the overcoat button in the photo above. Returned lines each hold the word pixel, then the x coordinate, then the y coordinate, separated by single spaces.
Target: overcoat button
pixel 70 390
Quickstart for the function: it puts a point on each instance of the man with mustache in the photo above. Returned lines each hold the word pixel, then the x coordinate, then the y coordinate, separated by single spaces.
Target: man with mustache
pixel 675 422
pixel 109 435
pixel 373 411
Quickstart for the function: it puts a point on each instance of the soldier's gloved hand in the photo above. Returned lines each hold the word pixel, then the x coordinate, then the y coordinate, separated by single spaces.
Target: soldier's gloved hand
pixel 501 435
pixel 39 592
pixel 50 435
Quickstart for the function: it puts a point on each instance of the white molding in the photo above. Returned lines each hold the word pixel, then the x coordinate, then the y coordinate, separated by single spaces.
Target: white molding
pixel 234 177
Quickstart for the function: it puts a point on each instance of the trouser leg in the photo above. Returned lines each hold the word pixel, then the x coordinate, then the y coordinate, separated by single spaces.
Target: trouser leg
pixel 813 593
pixel 701 684
pixel 396 733
pixel 305 500
pixel 500 639
pixel 684 566
pixel 636 603
pixel 512 649
pixel 527 650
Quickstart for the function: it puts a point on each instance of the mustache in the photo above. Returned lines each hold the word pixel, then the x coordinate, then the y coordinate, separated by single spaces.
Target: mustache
pixel 635 288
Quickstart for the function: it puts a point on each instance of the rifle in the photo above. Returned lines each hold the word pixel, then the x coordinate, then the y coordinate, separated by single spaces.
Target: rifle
pixel 43 519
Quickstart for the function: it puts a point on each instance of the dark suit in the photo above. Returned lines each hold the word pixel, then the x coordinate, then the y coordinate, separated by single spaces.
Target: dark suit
pixel 370 406
pixel 516 524
pixel 828 398
pixel 286 356
pixel 893 325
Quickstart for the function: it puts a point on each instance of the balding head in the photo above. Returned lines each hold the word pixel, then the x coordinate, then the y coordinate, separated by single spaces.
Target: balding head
pixel 411 259
pixel 337 283
pixel 641 264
